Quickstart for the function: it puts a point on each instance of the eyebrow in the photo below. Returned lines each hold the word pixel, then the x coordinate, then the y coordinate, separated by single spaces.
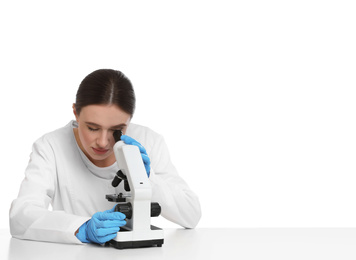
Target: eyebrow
pixel 96 125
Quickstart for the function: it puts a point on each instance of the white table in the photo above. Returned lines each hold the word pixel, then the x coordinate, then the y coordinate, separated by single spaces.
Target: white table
pixel 234 243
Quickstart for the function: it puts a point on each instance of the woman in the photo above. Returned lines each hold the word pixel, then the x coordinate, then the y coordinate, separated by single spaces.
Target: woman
pixel 72 169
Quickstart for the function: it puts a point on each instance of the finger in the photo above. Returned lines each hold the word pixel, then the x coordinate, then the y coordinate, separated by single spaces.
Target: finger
pixel 110 216
pixel 146 159
pixel 131 141
pixel 102 232
pixel 110 223
pixel 110 210
pixel 107 238
pixel 148 170
pixel 140 147
pixel 127 139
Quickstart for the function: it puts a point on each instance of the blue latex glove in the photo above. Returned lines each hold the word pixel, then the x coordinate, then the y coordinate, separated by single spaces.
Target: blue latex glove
pixel 102 227
pixel 145 158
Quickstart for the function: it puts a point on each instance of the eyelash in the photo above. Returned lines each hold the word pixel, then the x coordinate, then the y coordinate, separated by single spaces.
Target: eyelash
pixel 92 129
pixel 96 129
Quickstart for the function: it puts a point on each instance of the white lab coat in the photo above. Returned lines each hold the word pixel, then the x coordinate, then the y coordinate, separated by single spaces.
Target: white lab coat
pixel 61 175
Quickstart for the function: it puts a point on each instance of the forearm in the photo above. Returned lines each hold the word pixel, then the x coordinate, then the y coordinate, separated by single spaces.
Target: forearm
pixel 179 204
pixel 29 221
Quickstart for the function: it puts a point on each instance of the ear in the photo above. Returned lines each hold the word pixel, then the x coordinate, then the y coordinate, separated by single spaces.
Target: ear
pixel 75 112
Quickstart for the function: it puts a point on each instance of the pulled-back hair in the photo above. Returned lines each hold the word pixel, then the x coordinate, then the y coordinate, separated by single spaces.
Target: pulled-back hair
pixel 106 87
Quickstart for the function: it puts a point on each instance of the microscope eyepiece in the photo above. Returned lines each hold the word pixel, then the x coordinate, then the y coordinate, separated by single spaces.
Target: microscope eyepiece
pixel 117 135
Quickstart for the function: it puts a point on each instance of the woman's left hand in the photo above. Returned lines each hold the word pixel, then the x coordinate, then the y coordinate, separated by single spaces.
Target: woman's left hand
pixel 145 158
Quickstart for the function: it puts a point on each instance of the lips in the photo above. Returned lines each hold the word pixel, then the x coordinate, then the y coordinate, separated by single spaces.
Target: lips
pixel 100 151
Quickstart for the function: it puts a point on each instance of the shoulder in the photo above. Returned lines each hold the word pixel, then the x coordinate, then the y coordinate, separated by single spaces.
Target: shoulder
pixel 58 137
pixel 145 135
pixel 141 131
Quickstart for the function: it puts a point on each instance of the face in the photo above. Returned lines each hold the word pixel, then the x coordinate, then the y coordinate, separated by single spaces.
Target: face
pixel 96 124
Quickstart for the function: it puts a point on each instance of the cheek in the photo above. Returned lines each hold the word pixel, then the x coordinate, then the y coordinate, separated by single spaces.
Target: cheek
pixel 86 138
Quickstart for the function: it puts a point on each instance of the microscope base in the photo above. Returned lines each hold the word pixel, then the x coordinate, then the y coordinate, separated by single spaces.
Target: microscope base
pixel 135 244
pixel 127 241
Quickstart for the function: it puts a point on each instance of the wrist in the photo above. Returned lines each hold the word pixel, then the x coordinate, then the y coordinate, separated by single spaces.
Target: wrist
pixel 81 233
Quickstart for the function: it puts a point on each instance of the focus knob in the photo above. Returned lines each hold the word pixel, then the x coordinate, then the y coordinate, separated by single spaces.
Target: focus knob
pixel 155 209
pixel 125 208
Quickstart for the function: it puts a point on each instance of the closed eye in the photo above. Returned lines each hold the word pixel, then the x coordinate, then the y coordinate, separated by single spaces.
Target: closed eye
pixel 93 129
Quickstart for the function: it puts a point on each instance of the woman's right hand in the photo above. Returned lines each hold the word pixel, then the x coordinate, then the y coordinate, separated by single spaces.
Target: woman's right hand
pixel 102 227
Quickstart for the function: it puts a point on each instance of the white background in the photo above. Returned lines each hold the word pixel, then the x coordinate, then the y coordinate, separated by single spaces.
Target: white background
pixel 256 99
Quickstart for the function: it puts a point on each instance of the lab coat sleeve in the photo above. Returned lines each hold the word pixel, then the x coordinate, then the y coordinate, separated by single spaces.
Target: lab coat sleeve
pixel 29 214
pixel 178 202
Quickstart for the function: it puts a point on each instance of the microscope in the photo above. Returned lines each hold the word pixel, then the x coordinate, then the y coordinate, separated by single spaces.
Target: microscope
pixel 136 202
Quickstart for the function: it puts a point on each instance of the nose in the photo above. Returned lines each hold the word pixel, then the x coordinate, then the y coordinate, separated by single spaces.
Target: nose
pixel 103 140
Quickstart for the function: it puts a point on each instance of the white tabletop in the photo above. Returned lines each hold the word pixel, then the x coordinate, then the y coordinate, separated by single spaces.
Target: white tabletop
pixel 229 243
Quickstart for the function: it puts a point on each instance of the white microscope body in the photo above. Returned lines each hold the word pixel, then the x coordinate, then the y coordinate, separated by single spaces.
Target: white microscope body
pixel 138 231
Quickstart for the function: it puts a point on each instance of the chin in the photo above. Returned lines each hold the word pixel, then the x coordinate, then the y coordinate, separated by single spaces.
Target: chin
pixel 99 157
pixel 102 158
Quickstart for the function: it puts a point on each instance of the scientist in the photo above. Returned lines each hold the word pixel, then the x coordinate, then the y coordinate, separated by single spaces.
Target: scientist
pixel 72 168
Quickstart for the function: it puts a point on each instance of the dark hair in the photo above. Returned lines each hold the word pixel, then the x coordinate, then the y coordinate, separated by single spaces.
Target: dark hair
pixel 106 86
